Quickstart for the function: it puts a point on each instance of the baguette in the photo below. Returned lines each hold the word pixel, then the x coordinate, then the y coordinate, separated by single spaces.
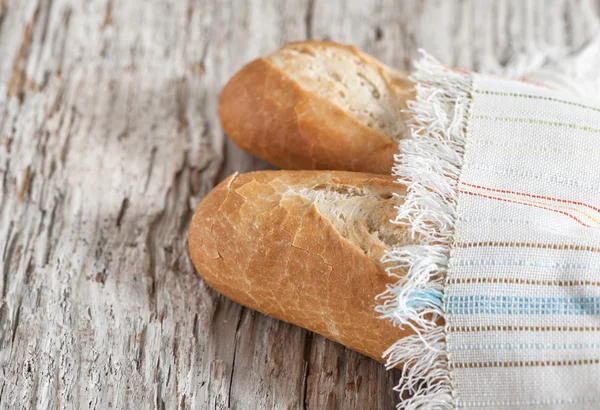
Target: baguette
pixel 303 247
pixel 317 105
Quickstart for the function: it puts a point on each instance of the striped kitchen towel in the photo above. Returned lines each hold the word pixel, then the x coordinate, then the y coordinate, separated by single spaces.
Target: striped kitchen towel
pixel 502 281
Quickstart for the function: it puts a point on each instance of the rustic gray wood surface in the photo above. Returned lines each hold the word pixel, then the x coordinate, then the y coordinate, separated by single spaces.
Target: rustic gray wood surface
pixel 110 138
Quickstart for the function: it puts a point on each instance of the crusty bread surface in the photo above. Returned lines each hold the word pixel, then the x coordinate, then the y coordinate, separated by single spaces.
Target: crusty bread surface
pixel 303 247
pixel 317 105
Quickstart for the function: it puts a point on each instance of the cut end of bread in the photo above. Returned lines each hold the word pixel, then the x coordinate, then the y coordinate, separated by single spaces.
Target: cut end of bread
pixel 361 215
pixel 349 79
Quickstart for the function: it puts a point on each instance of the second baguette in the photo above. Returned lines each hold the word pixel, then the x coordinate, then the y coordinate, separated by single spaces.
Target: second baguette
pixel 317 105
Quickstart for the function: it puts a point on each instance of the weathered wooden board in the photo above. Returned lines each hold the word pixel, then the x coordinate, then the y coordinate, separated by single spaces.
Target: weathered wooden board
pixel 110 138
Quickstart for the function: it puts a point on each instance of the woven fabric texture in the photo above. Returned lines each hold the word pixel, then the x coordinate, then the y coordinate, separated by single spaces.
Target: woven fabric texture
pixel 522 301
pixel 503 203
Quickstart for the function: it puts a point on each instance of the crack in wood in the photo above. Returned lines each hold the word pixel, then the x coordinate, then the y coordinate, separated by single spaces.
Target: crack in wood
pixel 150 260
pixel 4 382
pixel 4 250
pixel 235 345
pixel 50 229
pixel 308 19
pixel 2 12
pixel 16 323
pixel 307 359
pixel 8 261
pixel 150 167
pixel 122 210
pixel 66 147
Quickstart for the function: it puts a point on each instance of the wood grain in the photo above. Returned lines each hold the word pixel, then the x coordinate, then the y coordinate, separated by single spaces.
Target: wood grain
pixel 110 139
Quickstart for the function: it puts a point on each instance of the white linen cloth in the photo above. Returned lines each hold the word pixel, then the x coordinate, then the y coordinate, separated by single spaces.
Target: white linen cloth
pixel 503 201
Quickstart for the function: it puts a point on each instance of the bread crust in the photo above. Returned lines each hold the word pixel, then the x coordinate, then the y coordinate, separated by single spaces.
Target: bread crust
pixel 260 241
pixel 270 115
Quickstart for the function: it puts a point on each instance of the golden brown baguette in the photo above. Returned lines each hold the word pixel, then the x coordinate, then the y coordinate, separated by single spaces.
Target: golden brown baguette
pixel 303 247
pixel 317 105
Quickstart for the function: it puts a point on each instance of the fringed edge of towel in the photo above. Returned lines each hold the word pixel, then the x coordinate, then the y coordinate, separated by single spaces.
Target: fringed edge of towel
pixel 429 165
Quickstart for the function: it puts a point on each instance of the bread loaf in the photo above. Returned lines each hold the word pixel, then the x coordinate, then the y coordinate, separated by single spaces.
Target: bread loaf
pixel 303 247
pixel 317 105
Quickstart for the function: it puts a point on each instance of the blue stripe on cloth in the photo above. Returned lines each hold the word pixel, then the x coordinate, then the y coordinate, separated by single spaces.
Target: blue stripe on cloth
pixel 521 305
pixel 423 298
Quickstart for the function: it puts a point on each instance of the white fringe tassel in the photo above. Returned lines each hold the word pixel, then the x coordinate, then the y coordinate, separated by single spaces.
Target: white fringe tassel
pixel 429 165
